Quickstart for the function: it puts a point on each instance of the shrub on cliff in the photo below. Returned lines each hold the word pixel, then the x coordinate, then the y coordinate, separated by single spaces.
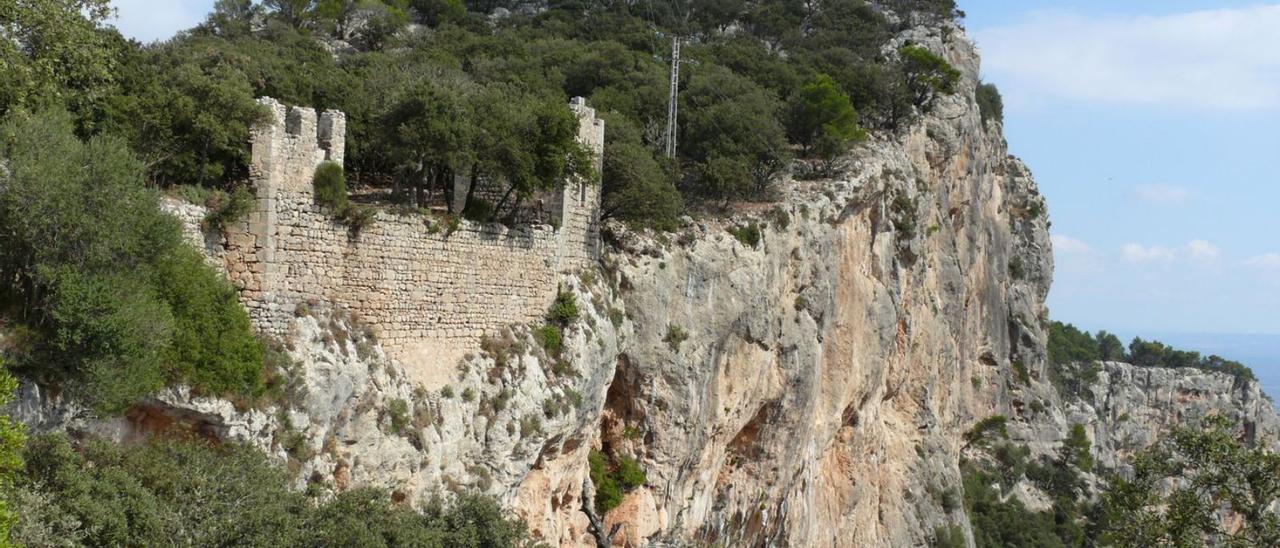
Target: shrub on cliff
pixel 990 104
pixel 612 477
pixel 564 310
pixel 120 303
pixel 928 74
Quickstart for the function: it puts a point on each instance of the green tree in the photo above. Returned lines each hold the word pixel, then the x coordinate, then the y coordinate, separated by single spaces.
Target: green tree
pixel 293 12
pixel 1067 344
pixel 122 303
pixel 431 132
pixel 1147 353
pixel 1075 449
pixel 928 75
pixel 733 134
pixel 231 18
pixel 1109 347
pixel 823 120
pixel 1209 468
pixel 636 187
pixel 55 52
pixel 437 12
pixel 188 108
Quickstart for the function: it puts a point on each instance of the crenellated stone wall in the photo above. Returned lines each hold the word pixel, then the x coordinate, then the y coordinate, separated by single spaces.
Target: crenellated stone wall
pixel 430 294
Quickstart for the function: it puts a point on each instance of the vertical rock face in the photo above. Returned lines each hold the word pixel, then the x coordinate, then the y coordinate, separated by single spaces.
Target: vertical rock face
pixel 829 371
pixel 1129 407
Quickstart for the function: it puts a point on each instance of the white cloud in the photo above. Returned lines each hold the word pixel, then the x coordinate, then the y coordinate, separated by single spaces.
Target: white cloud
pixel 1196 251
pixel 1135 253
pixel 149 20
pixel 1222 59
pixel 1203 251
pixel 1163 194
pixel 1067 244
pixel 1268 261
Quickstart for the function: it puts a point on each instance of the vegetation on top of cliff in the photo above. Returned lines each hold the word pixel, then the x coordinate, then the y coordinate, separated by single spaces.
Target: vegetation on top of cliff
pixel 114 303
pixel 477 89
pixel 1069 345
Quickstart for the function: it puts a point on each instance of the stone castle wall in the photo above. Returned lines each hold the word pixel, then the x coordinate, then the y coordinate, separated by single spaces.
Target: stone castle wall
pixel 430 295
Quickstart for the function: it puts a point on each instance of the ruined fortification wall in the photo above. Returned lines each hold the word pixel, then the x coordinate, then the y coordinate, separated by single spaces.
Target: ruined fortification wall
pixel 430 295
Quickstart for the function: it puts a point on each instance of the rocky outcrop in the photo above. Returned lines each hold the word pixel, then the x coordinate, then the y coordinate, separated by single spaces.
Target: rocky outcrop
pixel 1127 408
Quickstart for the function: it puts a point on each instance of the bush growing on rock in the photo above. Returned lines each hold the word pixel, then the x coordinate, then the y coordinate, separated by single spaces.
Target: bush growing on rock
pixel 549 338
pixel 613 477
pixel 564 310
pixel 990 104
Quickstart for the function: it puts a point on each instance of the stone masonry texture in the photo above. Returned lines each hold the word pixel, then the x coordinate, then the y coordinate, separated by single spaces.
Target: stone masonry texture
pixel 430 294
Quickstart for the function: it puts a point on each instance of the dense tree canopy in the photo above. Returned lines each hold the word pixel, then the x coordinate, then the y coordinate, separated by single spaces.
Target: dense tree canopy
pixel 118 304
pixel 478 93
pixel 1067 344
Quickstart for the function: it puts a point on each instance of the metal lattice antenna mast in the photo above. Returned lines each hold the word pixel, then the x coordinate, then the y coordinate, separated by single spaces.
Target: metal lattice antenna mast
pixel 673 102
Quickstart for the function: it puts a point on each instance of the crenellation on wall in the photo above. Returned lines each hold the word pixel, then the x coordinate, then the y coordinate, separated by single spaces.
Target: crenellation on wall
pixel 431 295
pixel 332 135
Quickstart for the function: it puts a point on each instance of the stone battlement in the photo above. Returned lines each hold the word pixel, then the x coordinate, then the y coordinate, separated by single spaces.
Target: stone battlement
pixel 430 295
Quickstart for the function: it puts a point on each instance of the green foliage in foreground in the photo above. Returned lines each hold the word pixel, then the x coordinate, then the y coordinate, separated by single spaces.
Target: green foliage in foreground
pixel 118 303
pixel 1001 522
pixel 190 493
pixel 1175 495
pixel 1214 470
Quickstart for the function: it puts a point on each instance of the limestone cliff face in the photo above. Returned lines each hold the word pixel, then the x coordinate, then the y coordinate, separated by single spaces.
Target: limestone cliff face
pixel 1129 407
pixel 808 389
pixel 829 371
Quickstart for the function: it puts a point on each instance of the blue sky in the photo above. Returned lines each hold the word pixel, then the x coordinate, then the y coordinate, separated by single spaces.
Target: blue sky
pixel 1153 127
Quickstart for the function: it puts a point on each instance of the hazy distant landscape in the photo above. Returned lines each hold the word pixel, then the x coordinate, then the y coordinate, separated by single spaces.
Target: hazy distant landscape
pixel 1259 352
